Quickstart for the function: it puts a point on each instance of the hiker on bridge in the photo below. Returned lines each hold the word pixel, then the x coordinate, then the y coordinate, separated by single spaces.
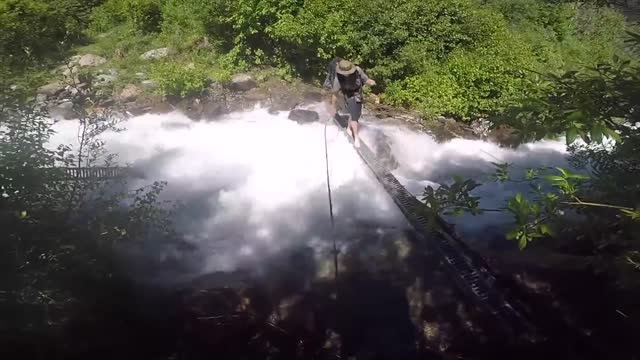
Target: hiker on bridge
pixel 348 80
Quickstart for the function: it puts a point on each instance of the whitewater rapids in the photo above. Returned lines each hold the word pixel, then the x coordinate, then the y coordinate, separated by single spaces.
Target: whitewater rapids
pixel 254 183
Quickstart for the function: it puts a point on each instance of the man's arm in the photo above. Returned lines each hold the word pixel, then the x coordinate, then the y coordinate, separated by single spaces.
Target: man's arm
pixel 367 80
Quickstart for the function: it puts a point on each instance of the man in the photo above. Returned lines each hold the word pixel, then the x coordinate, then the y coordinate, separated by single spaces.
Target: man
pixel 349 81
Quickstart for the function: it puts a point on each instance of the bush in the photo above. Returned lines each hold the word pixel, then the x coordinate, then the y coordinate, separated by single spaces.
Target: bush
pixel 35 31
pixel 107 16
pixel 175 79
pixel 144 15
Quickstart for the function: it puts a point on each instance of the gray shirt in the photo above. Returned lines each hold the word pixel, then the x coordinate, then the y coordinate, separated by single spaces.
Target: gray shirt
pixel 363 76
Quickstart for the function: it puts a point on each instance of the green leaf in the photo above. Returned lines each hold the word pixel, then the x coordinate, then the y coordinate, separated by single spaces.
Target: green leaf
pixel 546 230
pixel 612 134
pixel 522 242
pixel 518 198
pixel 554 178
pixel 572 134
pixel 564 172
pixel 596 132
pixel 633 214
pixel 512 235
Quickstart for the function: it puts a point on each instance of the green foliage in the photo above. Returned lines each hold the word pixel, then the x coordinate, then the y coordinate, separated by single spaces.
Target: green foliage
pixel 591 104
pixel 452 199
pixel 60 232
pixel 176 79
pixel 108 15
pixel 144 15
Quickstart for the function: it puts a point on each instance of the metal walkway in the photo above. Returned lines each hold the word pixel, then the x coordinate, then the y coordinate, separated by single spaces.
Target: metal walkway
pixel 467 268
pixel 94 173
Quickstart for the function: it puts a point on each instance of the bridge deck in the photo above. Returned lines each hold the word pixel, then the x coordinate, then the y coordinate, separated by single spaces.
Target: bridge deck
pixel 467 268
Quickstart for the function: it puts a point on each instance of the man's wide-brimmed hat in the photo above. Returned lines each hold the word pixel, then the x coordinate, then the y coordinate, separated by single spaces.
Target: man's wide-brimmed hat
pixel 345 67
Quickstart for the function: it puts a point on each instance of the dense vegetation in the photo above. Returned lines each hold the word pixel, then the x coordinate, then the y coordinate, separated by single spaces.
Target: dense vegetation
pixel 457 57
pixel 543 67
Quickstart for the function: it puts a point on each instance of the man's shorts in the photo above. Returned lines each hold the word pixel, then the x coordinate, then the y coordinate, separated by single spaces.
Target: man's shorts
pixel 351 107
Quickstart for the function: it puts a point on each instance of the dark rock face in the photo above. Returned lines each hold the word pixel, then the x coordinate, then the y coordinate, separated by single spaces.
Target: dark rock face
pixel 283 102
pixel 242 82
pixel 303 116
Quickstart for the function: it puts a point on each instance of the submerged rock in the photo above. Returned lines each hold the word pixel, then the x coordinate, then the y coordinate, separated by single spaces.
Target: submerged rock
pixel 302 116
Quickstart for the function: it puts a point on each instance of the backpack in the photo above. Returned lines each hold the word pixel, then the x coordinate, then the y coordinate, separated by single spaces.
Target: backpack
pixel 331 73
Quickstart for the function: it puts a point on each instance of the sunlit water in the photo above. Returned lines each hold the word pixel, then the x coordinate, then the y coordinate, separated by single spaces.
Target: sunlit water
pixel 253 183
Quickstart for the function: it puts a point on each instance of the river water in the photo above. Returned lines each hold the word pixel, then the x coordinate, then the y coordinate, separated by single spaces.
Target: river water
pixel 253 184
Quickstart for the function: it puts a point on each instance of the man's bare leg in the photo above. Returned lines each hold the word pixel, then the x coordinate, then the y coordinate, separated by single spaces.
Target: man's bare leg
pixel 356 137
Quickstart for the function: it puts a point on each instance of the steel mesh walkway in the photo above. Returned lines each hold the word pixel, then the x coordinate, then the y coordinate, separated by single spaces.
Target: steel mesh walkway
pixel 469 271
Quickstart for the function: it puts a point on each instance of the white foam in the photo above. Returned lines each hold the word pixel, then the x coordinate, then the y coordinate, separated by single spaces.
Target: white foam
pixel 254 183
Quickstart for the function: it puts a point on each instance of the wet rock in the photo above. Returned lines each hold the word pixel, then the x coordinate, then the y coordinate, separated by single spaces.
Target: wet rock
pixel 302 116
pixel 192 108
pixel 52 89
pixel 63 110
pixel 91 60
pixel 312 97
pixel 480 127
pixel 213 109
pixel 156 54
pixel 283 103
pixel 505 136
pixel 242 82
pixel 130 93
pixel 149 85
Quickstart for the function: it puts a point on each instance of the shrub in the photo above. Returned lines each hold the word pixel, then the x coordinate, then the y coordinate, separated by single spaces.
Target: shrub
pixel 175 79
pixel 107 16
pixel 144 15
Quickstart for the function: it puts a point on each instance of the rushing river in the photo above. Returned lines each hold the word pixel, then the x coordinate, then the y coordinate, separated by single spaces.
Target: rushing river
pixel 253 183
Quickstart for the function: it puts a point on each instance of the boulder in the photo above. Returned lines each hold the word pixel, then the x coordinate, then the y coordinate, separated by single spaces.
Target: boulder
pixel 91 60
pixel 312 97
pixel 52 89
pixel 75 59
pixel 63 110
pixel 283 103
pixel 302 116
pixel 156 54
pixel 130 93
pixel 242 82
pixel 213 108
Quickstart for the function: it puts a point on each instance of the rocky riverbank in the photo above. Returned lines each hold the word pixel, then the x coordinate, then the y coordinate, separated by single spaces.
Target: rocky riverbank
pixel 88 80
